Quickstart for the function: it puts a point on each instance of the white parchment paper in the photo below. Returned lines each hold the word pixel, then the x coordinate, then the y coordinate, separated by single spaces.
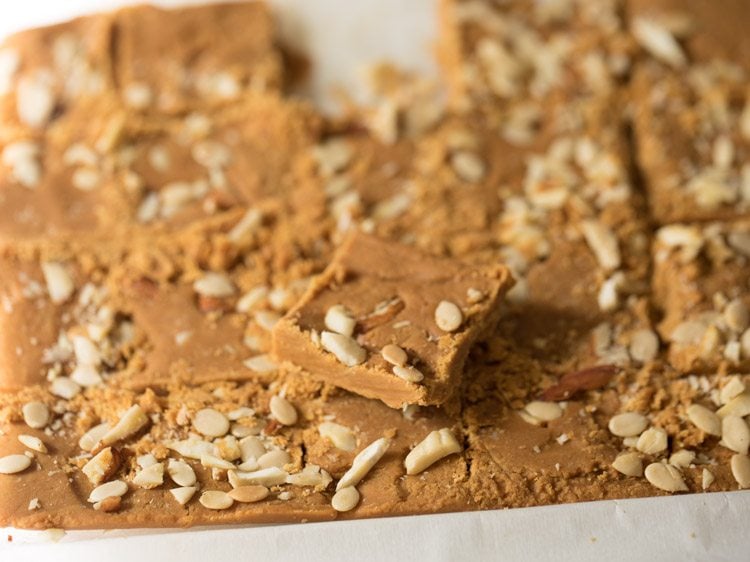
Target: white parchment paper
pixel 341 36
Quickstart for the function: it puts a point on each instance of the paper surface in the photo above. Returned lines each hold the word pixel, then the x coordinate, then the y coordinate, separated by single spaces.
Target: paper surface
pixel 340 37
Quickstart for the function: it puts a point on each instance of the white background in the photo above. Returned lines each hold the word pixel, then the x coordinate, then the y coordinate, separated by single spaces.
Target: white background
pixel 341 36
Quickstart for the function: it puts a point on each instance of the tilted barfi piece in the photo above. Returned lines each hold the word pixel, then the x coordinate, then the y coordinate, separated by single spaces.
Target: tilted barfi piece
pixel 377 294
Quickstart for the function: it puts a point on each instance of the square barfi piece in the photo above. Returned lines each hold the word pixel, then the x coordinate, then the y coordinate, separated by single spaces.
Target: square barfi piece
pixel 172 61
pixel 497 54
pixel 700 283
pixel 389 322
pixel 691 111
pixel 55 75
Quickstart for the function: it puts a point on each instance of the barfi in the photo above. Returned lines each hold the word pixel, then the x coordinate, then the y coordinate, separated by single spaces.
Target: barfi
pixel 175 61
pixel 388 322
pixel 701 286
pixel 691 110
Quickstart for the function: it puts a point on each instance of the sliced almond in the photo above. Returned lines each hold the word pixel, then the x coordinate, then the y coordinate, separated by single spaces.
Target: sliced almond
pixel 741 470
pixel 735 434
pixel 345 499
pixel 216 285
pixel 115 488
pixel 36 414
pixel 12 464
pixel 437 445
pixel 363 462
pixel 652 441
pixel 342 437
pixel 344 348
pixel 216 499
pixel 448 316
pixel 266 477
pixel 408 373
pixel 181 473
pixel 249 494
pixel 543 411
pixel 282 410
pixel 394 354
pixel 93 436
pixel 682 458
pixel 707 478
pixel 210 422
pixel 628 424
pixel 338 319
pixel 33 443
pixel 59 282
pixel 311 475
pixel 704 419
pixel 64 388
pixel 665 477
pixel 212 461
pixel 251 448
pixel 737 406
pixel 629 464
pixel 184 494
pixel 603 243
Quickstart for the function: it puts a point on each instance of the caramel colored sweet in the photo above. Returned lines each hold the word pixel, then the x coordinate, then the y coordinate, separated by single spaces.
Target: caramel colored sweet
pixel 167 210
pixel 392 293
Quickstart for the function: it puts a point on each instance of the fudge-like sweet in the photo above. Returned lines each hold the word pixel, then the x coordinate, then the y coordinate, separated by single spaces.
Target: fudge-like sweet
pixel 388 322
pixel 692 116
pixel 701 284
pixel 173 61
pixel 56 75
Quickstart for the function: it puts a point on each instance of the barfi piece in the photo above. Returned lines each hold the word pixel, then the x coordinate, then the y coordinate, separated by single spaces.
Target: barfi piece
pixel 692 116
pixel 189 168
pixel 173 61
pixel 499 54
pixel 561 211
pixel 180 454
pixel 701 286
pixel 52 189
pixel 55 76
pixel 388 322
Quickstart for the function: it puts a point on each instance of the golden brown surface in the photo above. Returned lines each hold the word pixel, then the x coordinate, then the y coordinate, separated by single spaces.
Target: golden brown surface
pixel 149 250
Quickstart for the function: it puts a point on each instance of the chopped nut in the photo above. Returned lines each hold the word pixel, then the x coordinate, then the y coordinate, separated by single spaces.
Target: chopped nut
pixel 435 446
pixel 704 419
pixel 108 505
pixel 12 464
pixel 543 411
pixel 733 388
pixel 260 364
pixel 394 354
pixel 35 100
pixel 212 284
pixel 468 166
pixel 448 316
pixel 212 461
pixel 184 494
pixel 282 410
pixel 277 458
pixel 338 319
pixel 682 459
pixel 342 437
pixel 644 345
pixel 130 423
pixel 271 476
pixel 652 441
pixel 665 477
pixel 363 462
pixel 64 387
pixel 59 281
pixel 210 422
pixel 251 448
pixel 707 478
pixel 408 373
pixel 603 243
pixel 737 406
pixel 629 464
pixel 740 464
pixel 247 225
pixel 150 477
pixel 737 316
pixel 735 434
pixel 113 488
pixel 658 41
pixel 181 473
pixel 628 424
pixel 102 466
pixel 346 350
pixel 36 414
pixel 311 475
pixel 345 499
pixel 216 499
pixel 91 438
pixel 249 494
